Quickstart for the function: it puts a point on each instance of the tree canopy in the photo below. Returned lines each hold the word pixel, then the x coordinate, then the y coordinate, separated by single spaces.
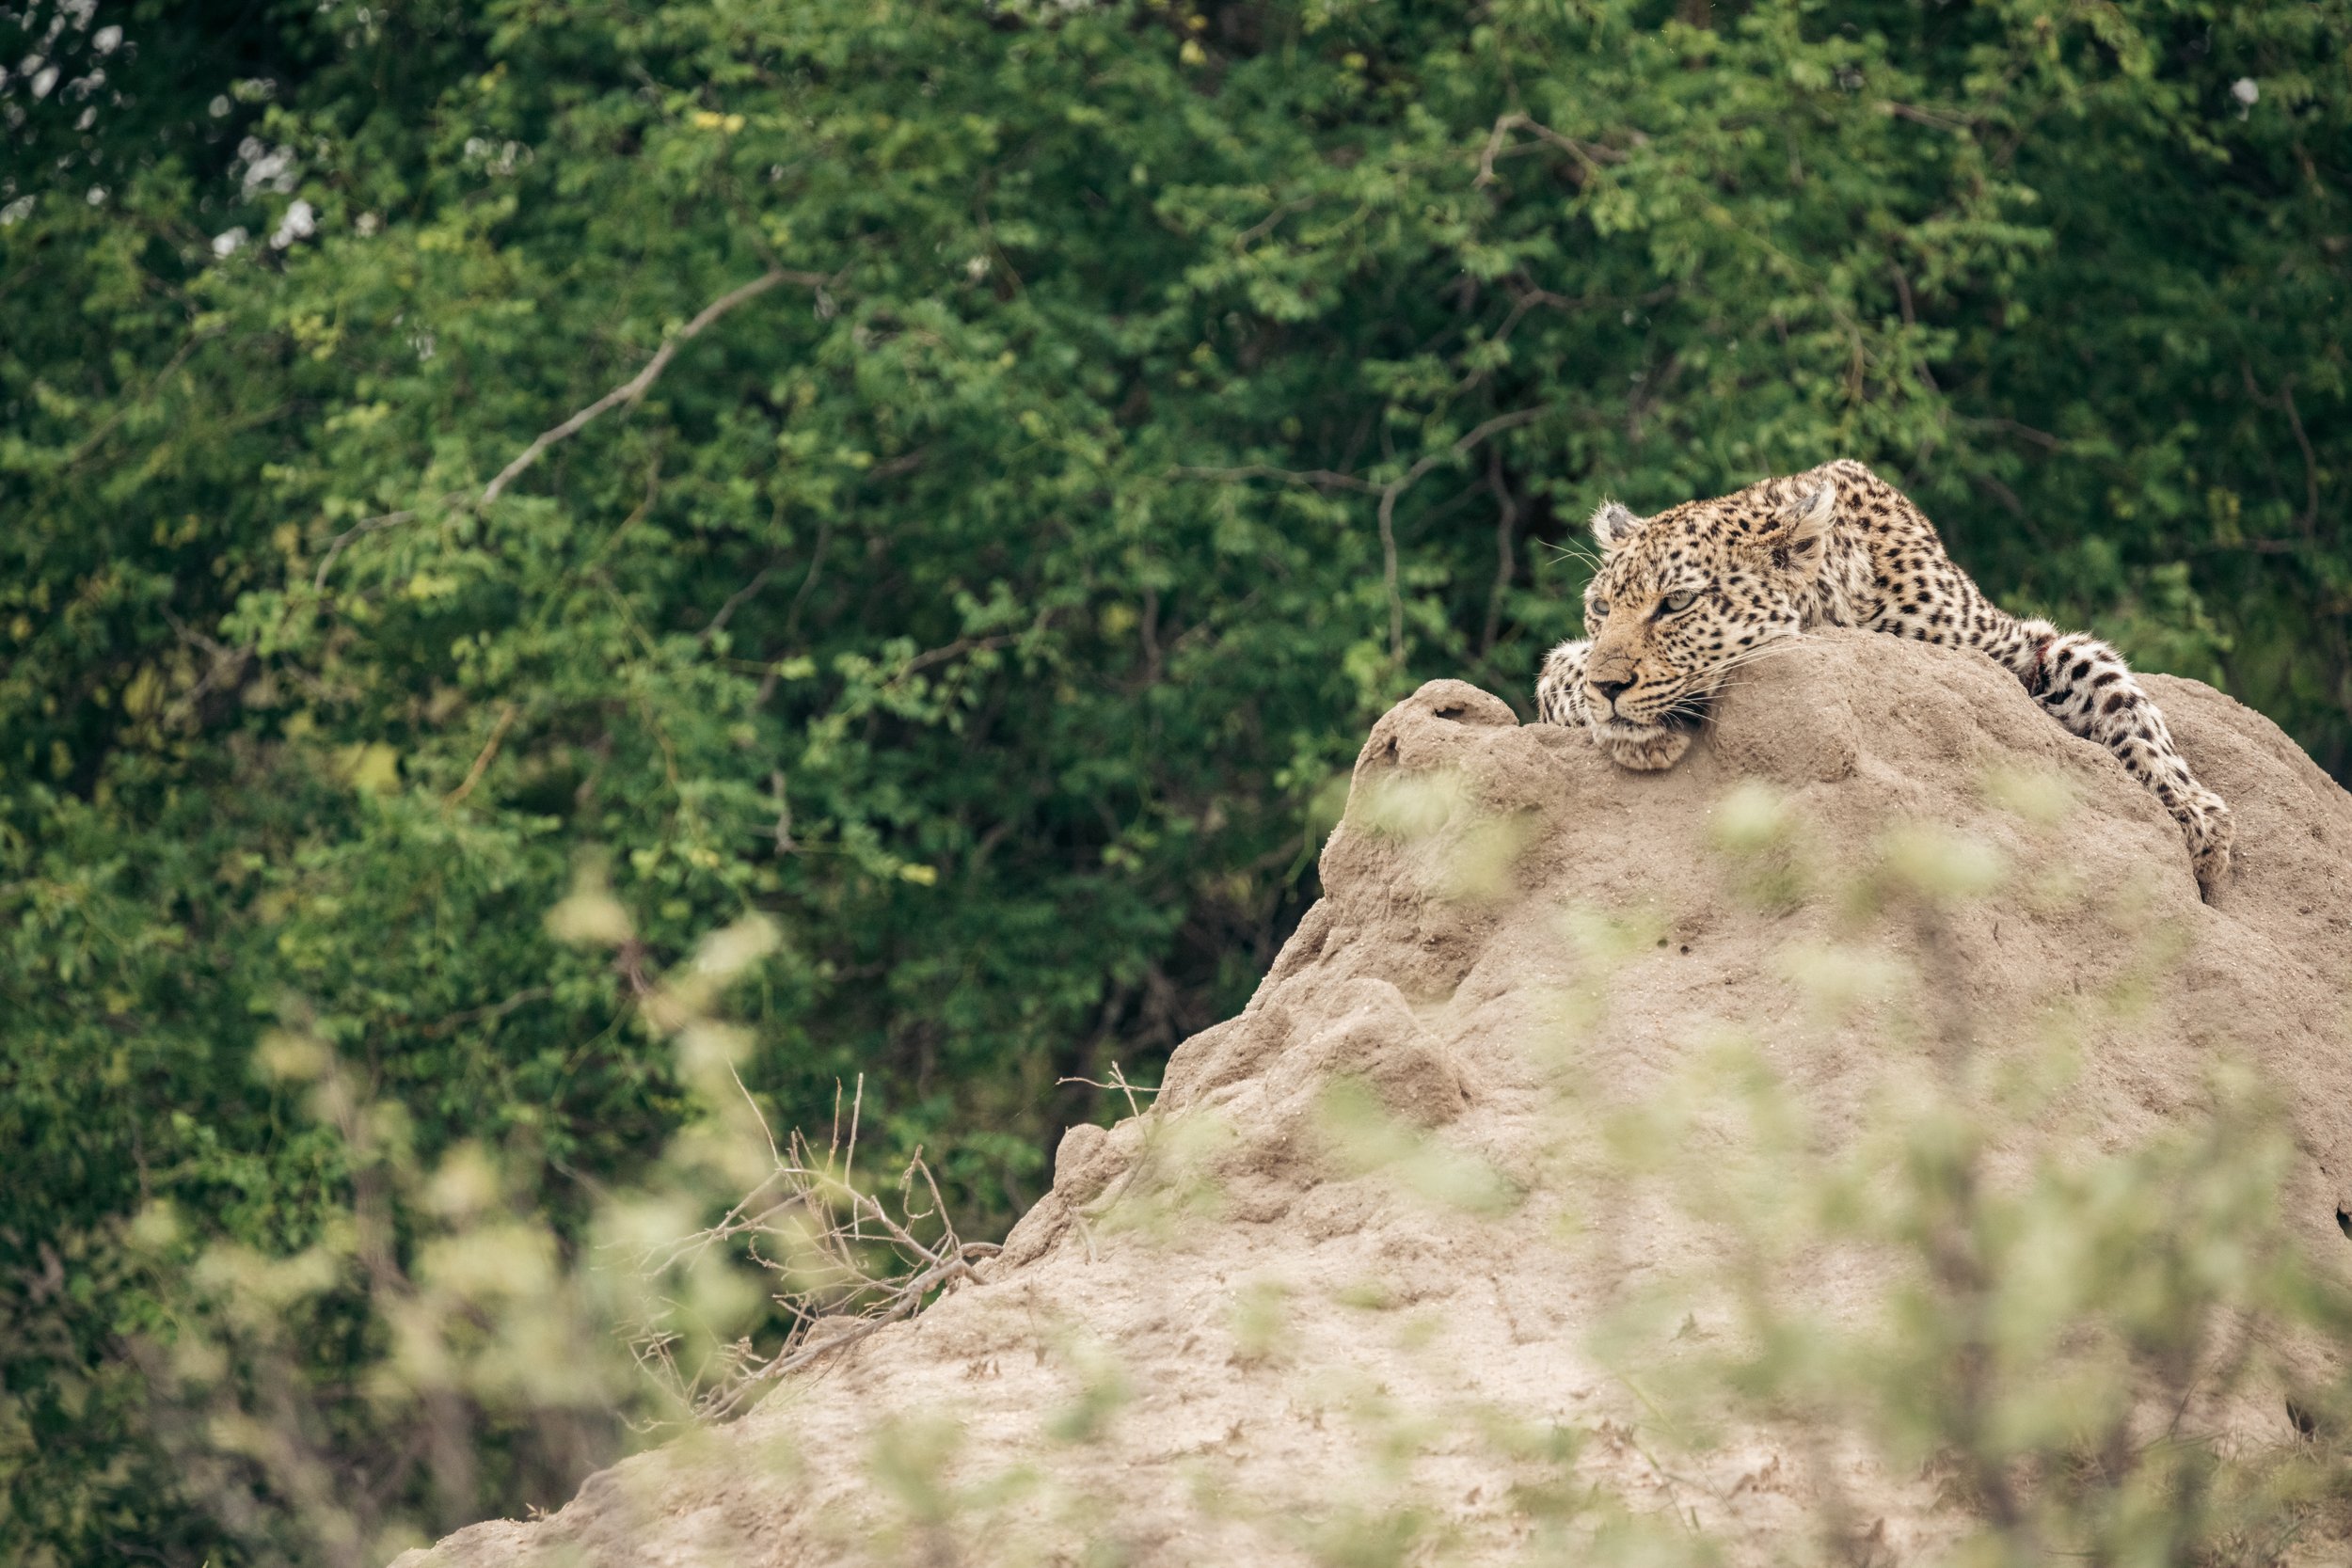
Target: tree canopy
pixel 958 478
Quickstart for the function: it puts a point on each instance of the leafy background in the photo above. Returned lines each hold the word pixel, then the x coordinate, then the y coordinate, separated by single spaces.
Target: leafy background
pixel 1144 397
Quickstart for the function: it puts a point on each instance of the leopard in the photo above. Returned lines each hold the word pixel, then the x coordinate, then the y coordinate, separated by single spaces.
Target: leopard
pixel 1679 600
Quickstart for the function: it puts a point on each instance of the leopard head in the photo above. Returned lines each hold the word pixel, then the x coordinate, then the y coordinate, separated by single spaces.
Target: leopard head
pixel 1683 597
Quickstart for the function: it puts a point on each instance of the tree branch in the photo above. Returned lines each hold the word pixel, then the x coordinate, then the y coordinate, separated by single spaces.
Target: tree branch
pixel 507 713
pixel 1325 477
pixel 1329 479
pixel 1590 156
pixel 636 386
pixel 1404 481
pixel 627 392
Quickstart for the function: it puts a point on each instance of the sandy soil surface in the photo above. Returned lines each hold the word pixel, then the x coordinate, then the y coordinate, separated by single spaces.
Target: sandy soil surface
pixel 1343 1296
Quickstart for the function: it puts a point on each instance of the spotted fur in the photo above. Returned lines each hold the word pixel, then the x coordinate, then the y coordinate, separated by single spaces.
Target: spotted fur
pixel 1683 598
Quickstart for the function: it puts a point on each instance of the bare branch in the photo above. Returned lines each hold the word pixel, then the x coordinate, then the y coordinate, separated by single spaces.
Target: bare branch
pixel 1120 1084
pixel 734 602
pixel 627 392
pixel 960 646
pixel 847 1265
pixel 1329 479
pixel 635 387
pixel 507 713
pixel 1590 155
pixel 1397 486
pixel 1260 229
pixel 367 525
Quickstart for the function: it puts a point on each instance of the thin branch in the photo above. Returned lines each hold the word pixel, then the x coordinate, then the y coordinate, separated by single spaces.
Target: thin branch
pixel 1506 555
pixel 757 1114
pixel 1119 1084
pixel 627 392
pixel 816 568
pixel 2039 437
pixel 2285 401
pixel 367 525
pixel 1323 478
pixel 1330 479
pixel 227 665
pixel 196 341
pixel 734 601
pixel 783 830
pixel 635 387
pixel 1260 229
pixel 1592 155
pixel 507 713
pixel 1404 481
pixel 961 645
pixel 1926 116
pixel 1530 294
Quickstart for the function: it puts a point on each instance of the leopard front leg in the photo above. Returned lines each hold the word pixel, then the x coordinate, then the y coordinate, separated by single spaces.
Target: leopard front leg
pixel 1560 684
pixel 1560 698
pixel 2087 686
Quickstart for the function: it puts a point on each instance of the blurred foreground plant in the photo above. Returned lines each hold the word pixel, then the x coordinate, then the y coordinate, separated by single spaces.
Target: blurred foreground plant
pixel 2086 1346
pixel 477 1336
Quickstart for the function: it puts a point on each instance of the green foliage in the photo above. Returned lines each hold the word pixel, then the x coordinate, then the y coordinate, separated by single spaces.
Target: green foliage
pixel 1152 395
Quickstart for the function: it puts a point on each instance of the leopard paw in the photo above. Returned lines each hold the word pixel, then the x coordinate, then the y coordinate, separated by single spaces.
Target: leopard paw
pixel 1643 748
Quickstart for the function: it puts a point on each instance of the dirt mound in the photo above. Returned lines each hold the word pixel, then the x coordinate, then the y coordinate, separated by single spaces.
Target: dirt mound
pixel 1342 1295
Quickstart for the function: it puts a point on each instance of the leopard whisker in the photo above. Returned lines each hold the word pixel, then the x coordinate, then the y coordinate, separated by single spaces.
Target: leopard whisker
pixel 1750 656
pixel 1583 553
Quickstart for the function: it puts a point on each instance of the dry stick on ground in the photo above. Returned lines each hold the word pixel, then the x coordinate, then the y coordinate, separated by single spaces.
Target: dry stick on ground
pixel 1119 1082
pixel 627 392
pixel 847 1265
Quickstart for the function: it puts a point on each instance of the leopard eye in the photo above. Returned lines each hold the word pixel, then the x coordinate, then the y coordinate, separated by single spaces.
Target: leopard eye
pixel 1598 608
pixel 1676 603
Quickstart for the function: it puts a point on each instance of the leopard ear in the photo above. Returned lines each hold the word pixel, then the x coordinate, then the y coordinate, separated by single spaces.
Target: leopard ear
pixel 1798 532
pixel 1614 527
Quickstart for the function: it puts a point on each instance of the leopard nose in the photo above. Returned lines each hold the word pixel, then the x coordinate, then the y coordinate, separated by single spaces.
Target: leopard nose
pixel 1610 689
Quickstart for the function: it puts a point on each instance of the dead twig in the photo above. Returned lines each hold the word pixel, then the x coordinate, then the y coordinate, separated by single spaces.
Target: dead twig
pixel 1118 1083
pixel 846 1263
